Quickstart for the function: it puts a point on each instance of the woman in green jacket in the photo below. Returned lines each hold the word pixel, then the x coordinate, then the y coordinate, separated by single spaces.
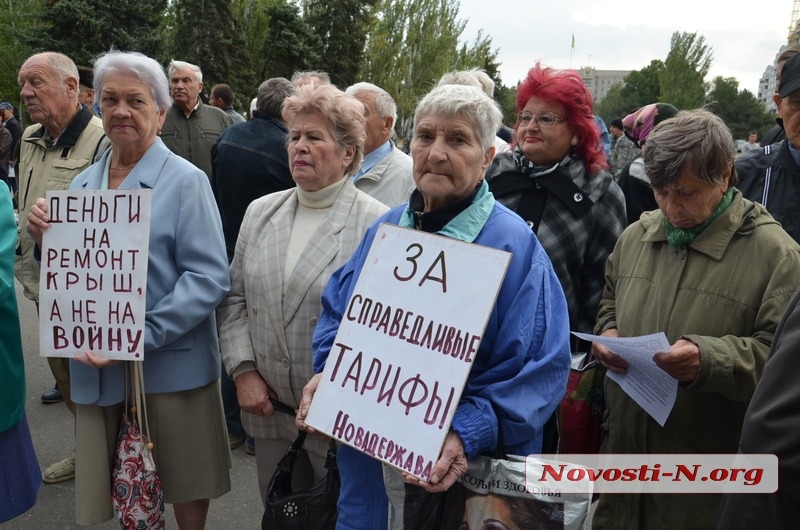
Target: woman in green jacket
pixel 19 470
pixel 714 272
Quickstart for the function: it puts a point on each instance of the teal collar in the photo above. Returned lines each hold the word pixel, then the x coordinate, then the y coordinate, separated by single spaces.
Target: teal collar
pixel 468 224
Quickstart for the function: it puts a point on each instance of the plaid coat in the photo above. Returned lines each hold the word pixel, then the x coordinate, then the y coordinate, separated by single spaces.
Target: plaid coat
pixel 577 235
pixel 263 322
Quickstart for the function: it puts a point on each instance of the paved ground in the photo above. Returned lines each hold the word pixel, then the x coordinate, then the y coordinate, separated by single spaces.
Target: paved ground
pixel 52 429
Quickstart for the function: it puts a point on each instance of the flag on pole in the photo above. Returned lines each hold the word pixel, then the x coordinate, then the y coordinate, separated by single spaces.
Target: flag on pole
pixel 573 41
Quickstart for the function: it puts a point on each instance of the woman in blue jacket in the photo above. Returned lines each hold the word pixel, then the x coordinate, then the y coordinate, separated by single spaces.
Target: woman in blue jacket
pixel 520 372
pixel 187 277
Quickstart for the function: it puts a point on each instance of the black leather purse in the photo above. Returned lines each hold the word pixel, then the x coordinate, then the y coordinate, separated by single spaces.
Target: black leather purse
pixel 312 509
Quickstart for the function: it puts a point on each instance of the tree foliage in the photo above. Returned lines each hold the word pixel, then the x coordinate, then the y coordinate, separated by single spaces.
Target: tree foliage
pixel 681 80
pixel 740 110
pixel 403 46
pixel 21 19
pixel 254 19
pixel 83 29
pixel 639 88
pixel 340 26
pixel 677 80
pixel 412 43
pixel 207 34
pixel 292 45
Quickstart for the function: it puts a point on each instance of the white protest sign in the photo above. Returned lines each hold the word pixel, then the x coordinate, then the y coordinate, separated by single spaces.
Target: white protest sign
pixel 406 344
pixel 94 274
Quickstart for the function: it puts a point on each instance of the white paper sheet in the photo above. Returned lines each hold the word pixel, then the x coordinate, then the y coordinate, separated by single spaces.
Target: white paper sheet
pixel 649 386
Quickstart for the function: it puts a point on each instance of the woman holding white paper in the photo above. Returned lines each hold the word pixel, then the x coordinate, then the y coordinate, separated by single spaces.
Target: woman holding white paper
pixel 187 277
pixel 714 272
pixel 520 371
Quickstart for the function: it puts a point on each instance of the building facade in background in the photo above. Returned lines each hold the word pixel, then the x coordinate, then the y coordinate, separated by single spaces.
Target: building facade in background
pixel 599 82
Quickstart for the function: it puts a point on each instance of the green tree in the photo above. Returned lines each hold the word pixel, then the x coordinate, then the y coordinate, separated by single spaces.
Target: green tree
pixel 642 86
pixel 20 21
pixel 291 44
pixel 480 54
pixel 341 26
pixel 411 44
pixel 740 110
pixel 681 81
pixel 253 20
pixel 507 98
pixel 207 34
pixel 639 88
pixel 82 29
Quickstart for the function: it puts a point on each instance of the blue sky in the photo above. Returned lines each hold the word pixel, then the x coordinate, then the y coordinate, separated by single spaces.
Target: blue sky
pixel 745 35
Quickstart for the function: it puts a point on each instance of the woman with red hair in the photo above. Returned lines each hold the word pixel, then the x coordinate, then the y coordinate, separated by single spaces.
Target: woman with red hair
pixel 556 178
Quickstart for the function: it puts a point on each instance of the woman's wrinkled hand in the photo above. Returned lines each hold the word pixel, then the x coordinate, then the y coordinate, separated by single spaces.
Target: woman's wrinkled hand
pixel 682 361
pixel 38 220
pixel 95 361
pixel 302 412
pixel 607 358
pixel 254 394
pixel 451 466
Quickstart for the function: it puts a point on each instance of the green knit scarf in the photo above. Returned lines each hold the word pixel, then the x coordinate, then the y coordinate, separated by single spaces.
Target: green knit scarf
pixel 678 237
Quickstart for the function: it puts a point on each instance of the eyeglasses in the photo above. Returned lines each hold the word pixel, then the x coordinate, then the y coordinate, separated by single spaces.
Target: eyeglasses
pixel 545 119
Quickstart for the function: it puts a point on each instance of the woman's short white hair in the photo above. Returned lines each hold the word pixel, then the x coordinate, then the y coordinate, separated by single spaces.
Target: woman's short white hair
pixel 466 103
pixel 475 77
pixel 145 68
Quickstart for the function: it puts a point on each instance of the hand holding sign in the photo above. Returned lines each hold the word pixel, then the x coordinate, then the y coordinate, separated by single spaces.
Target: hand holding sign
pixel 406 343
pixel 451 466
pixel 38 220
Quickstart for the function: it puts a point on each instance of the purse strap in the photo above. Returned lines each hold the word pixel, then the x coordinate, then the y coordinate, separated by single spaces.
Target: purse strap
pixel 141 405
pixel 134 376
pixel 330 460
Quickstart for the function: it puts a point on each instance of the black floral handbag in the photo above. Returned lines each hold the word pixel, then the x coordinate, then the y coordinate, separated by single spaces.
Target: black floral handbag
pixel 312 509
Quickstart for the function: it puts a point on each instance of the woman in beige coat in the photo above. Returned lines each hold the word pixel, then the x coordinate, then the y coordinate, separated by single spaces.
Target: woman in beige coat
pixel 289 245
pixel 714 272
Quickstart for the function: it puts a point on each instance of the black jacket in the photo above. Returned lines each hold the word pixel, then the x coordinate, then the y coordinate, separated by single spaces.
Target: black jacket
pixel 15 129
pixel 771 177
pixel 770 427
pixel 249 160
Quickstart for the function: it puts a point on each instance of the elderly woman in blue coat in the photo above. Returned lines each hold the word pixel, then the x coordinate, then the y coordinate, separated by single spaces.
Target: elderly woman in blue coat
pixel 520 372
pixel 187 277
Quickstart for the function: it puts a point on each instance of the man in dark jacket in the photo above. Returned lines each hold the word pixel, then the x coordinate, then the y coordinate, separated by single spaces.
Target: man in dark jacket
pixel 771 175
pixel 776 134
pixel 15 129
pixel 11 123
pixel 249 160
pixel 770 427
pixel 191 127
pixel 222 97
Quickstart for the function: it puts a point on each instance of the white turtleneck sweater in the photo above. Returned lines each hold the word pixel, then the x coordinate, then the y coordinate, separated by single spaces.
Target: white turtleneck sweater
pixel 312 207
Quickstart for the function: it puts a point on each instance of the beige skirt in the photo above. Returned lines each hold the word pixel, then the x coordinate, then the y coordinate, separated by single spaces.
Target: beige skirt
pixel 190 448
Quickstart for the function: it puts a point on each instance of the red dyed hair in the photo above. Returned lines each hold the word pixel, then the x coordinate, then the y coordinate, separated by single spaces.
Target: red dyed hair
pixel 566 88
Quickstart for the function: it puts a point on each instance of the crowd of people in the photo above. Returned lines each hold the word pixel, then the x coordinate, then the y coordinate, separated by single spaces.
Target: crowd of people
pixel 262 227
